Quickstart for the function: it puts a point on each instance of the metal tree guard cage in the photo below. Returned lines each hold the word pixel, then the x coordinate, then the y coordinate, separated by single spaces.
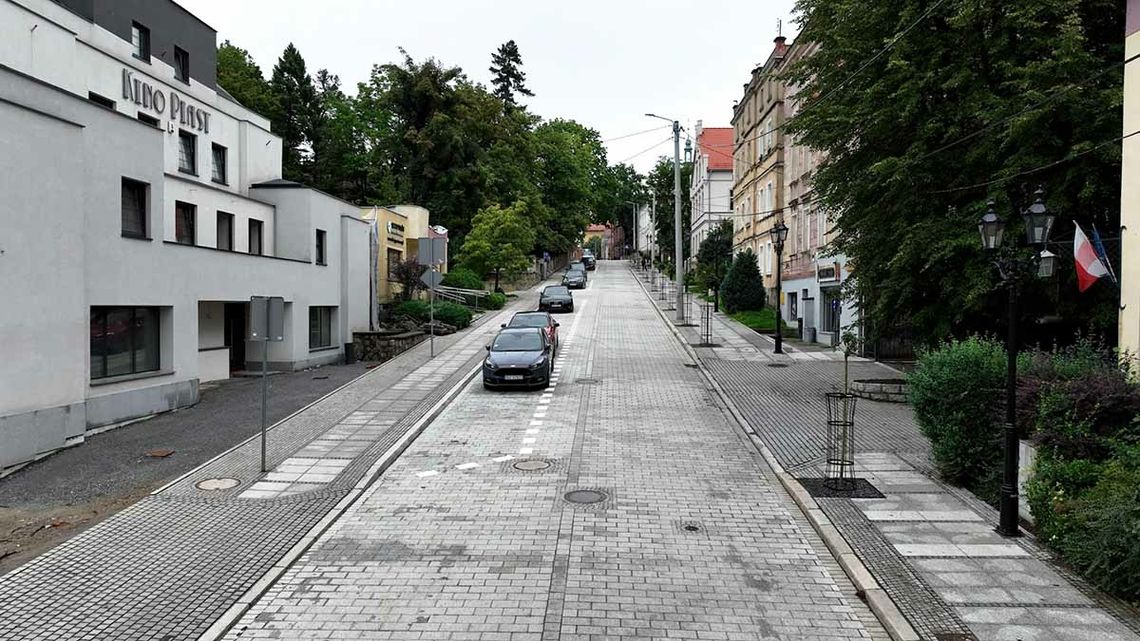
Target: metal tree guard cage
pixel 706 323
pixel 840 446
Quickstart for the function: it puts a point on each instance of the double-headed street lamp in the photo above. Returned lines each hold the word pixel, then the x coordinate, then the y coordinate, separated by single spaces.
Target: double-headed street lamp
pixel 1015 266
pixel 779 234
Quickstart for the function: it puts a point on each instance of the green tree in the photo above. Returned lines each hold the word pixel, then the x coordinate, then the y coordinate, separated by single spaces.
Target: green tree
pixel 339 160
pixel 595 245
pixel 240 76
pixel 406 273
pixel 571 162
pixel 743 287
pixel 660 182
pixel 714 258
pixel 982 99
pixel 500 239
pixel 507 76
pixel 294 114
pixel 621 187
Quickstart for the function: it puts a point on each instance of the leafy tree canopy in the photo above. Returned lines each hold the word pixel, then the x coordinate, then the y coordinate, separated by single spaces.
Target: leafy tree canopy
pixel 982 99
pixel 498 240
pixel 661 184
pixel 239 75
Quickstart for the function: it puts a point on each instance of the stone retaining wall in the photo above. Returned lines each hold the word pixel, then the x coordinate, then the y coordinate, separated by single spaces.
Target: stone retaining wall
pixel 378 347
pixel 886 391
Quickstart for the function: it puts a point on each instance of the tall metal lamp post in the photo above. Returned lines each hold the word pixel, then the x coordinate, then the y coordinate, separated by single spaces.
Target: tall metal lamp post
pixel 678 260
pixel 779 234
pixel 1015 265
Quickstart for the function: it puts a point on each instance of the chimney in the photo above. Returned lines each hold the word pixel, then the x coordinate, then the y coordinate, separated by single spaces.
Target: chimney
pixel 781 45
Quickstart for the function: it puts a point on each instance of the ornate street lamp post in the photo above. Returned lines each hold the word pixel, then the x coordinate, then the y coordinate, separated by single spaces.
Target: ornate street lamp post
pixel 1015 266
pixel 779 234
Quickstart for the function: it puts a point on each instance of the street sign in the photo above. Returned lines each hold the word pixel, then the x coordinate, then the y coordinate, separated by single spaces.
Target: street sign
pixel 431 278
pixel 432 251
pixel 266 324
pixel 266 318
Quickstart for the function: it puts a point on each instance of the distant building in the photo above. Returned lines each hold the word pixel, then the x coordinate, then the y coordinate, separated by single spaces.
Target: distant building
pixel 143 207
pixel 396 233
pixel 1130 189
pixel 758 162
pixel 812 273
pixel 711 188
pixel 612 239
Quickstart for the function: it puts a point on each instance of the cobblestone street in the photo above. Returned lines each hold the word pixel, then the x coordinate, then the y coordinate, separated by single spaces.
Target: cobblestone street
pixel 470 534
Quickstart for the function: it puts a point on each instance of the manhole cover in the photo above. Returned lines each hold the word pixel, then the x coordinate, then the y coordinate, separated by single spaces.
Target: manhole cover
pixel 777 364
pixel 585 496
pixel 531 466
pixel 217 484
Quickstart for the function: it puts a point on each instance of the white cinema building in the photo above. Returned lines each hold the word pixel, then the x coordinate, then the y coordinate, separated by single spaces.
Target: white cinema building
pixel 140 209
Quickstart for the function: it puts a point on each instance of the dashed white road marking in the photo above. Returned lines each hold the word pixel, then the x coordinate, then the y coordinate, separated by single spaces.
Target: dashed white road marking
pixel 466 466
pixel 500 459
pixel 532 431
pixel 427 473
pixel 526 450
pixel 529 441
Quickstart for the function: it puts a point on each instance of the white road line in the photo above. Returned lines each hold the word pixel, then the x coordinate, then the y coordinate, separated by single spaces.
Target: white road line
pixel 427 473
pixel 532 431
pixel 526 450
pixel 529 441
pixel 536 423
pixel 466 466
pixel 500 459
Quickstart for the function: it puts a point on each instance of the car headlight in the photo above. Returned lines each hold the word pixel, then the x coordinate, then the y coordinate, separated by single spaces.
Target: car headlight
pixel 489 364
pixel 538 365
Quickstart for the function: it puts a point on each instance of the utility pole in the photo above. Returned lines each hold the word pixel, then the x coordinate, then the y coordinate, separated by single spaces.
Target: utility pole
pixel 678 268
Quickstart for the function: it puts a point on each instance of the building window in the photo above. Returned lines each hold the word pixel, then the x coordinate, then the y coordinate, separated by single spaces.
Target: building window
pixel 187 152
pixel 255 227
pixel 225 231
pixel 395 257
pixel 148 119
pixel 140 40
pixel 134 209
pixel 185 219
pixel 102 101
pixel 322 258
pixel 181 65
pixel 320 327
pixel 219 154
pixel 124 340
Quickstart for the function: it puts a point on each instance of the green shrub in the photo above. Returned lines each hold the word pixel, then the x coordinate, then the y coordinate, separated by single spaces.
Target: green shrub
pixel 453 314
pixel 496 301
pixel 956 391
pixel 743 288
pixel 1090 513
pixel 414 309
pixel 462 278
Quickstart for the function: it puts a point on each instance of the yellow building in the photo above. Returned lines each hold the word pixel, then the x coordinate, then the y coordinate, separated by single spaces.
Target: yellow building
pixel 1130 190
pixel 396 231
pixel 758 161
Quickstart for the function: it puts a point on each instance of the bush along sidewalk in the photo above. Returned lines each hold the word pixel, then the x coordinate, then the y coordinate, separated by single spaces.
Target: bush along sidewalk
pixel 1081 408
pixel 452 314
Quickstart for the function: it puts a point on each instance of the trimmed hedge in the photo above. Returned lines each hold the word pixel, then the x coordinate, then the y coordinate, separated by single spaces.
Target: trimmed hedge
pixel 463 278
pixel 956 391
pixel 445 312
pixel 496 301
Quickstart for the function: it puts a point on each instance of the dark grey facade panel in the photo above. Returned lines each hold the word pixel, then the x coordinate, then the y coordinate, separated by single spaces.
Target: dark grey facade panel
pixel 170 26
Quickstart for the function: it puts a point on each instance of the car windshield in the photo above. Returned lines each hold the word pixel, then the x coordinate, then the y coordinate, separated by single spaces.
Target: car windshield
pixel 529 320
pixel 518 342
pixel 556 291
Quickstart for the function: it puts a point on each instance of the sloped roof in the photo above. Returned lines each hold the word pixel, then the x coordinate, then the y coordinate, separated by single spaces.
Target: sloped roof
pixel 716 143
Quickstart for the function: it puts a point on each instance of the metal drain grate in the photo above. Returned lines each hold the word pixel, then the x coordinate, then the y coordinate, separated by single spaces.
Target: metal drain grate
pixel 587 381
pixel 777 364
pixel 862 490
pixel 532 465
pixel 213 485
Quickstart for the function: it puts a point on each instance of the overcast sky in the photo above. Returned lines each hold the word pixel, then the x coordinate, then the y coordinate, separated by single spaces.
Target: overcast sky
pixel 604 63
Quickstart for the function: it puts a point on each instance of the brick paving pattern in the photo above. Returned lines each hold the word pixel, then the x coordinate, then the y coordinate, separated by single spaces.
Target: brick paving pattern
pixel 693 540
pixel 170 565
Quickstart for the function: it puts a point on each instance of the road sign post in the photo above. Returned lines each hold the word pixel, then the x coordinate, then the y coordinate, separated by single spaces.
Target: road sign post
pixel 266 324
pixel 431 253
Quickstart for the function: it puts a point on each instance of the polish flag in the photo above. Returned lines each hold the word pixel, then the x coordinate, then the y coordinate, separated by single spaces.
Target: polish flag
pixel 1089 266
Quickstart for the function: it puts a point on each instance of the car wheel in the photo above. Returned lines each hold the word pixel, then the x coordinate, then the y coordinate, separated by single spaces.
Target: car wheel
pixel 549 371
pixel 571 308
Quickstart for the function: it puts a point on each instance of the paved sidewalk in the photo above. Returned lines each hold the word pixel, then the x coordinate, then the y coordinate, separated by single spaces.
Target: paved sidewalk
pixel 469 535
pixel 170 565
pixel 931 547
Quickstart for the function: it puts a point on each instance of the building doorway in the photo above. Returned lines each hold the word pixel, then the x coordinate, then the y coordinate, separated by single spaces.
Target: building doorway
pixel 236 331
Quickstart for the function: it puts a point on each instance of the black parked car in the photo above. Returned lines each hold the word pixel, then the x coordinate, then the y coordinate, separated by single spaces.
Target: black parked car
pixel 542 320
pixel 574 279
pixel 518 357
pixel 555 298
pixel 590 262
pixel 577 266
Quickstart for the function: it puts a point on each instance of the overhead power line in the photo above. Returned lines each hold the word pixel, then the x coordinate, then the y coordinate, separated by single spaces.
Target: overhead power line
pixel 636 133
pixel 647 150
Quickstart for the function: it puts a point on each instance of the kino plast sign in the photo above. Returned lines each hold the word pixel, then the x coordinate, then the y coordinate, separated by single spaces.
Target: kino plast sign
pixel 172 106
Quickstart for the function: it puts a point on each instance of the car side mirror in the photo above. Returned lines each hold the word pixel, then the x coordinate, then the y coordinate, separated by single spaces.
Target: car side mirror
pixel 557 324
pixel 503 325
pixel 546 349
pixel 487 347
